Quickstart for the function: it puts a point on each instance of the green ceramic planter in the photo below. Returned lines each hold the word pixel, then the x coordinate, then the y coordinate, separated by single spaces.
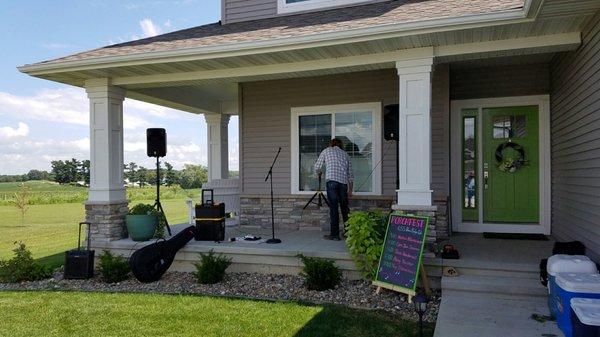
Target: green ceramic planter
pixel 141 227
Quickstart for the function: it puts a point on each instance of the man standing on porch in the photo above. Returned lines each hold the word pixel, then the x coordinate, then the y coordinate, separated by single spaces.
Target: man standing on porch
pixel 340 181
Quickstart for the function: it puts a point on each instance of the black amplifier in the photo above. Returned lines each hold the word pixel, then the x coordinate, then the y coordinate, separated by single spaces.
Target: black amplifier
pixel 210 219
pixel 79 264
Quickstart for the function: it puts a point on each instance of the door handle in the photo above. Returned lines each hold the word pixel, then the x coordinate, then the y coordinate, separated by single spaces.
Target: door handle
pixel 486 175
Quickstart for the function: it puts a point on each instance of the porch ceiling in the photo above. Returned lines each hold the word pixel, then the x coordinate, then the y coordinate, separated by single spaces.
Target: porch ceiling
pixel 204 83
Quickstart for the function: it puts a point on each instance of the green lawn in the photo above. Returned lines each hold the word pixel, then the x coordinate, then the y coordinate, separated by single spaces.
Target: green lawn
pixel 49 230
pixel 103 314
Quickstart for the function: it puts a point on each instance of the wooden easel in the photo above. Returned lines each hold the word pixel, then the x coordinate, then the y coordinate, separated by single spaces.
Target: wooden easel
pixel 409 293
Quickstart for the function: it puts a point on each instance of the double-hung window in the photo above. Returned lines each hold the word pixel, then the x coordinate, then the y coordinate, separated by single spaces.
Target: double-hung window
pixel 358 126
pixel 290 6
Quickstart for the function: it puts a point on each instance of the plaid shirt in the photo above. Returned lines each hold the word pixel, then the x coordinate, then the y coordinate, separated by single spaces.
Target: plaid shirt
pixel 337 162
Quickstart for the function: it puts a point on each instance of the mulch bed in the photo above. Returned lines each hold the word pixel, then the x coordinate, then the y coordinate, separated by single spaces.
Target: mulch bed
pixel 356 294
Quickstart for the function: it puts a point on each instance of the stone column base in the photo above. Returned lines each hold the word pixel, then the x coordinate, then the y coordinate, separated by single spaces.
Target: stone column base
pixel 107 221
pixel 433 233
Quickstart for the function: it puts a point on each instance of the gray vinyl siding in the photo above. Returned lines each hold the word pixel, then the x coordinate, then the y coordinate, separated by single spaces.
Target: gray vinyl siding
pixel 499 81
pixel 266 115
pixel 440 132
pixel 245 10
pixel 575 130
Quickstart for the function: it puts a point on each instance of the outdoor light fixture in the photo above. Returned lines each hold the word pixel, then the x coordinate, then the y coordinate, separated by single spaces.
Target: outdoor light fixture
pixel 420 302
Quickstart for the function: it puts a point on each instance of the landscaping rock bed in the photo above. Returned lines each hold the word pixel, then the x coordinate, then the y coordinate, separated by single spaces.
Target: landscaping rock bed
pixel 356 294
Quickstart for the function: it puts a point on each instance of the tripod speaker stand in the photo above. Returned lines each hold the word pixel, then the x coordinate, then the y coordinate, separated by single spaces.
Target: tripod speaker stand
pixel 156 142
pixel 319 195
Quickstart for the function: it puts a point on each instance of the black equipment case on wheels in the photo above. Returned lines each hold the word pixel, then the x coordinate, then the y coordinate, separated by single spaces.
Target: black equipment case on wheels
pixel 79 264
pixel 210 219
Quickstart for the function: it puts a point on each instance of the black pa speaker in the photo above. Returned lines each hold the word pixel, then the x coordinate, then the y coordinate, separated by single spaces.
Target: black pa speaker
pixel 156 141
pixel 79 263
pixel 390 122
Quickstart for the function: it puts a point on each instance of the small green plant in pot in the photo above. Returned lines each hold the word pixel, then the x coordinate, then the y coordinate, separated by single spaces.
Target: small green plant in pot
pixel 141 222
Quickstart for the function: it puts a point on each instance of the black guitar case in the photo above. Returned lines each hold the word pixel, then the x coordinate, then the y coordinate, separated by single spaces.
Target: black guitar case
pixel 150 263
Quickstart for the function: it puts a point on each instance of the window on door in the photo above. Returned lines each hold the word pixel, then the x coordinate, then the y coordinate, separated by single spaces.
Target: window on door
pixel 358 126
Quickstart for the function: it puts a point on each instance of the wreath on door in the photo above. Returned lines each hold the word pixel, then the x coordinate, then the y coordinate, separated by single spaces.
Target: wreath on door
pixel 507 164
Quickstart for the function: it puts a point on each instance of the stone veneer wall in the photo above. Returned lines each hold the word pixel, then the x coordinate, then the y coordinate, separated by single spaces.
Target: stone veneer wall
pixel 255 210
pixel 107 221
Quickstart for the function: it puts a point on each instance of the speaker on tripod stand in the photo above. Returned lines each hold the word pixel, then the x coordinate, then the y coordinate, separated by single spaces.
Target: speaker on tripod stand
pixel 156 146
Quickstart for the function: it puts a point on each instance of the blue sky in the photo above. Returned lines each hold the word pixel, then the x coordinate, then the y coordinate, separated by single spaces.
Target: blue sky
pixel 42 121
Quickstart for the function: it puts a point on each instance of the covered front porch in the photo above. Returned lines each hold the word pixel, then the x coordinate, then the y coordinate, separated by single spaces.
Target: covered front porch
pixel 295 97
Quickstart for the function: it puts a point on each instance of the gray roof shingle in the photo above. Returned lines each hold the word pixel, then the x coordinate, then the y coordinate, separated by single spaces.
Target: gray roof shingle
pixel 305 24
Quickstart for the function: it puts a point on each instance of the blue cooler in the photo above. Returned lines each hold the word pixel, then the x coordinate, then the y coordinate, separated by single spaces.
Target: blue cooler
pixel 572 285
pixel 562 263
pixel 585 315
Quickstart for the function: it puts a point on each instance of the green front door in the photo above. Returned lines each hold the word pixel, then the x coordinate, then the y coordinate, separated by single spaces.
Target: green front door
pixel 510 165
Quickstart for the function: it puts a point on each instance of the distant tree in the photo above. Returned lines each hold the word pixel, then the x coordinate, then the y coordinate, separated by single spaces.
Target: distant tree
pixel 84 171
pixel 67 171
pixel 130 172
pixel 193 176
pixel 74 166
pixel 60 171
pixel 21 201
pixel 170 175
pixel 141 176
pixel 37 175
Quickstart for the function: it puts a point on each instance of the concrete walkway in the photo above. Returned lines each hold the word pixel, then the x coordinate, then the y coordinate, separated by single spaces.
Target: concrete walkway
pixel 466 314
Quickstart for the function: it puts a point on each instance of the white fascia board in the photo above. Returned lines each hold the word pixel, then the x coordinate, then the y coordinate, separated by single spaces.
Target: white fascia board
pixel 283 44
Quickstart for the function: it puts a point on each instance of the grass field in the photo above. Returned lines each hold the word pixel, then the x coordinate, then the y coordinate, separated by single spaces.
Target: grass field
pixel 47 192
pixel 102 314
pixel 50 229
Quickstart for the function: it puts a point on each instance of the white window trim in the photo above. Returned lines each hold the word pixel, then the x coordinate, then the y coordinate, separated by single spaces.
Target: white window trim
pixel 373 107
pixel 284 7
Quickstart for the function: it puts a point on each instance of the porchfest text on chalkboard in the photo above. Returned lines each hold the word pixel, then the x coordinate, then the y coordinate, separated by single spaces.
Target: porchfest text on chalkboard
pixel 402 253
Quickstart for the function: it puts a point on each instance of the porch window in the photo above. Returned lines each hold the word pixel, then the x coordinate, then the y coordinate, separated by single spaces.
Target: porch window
pixel 469 165
pixel 358 126
pixel 289 6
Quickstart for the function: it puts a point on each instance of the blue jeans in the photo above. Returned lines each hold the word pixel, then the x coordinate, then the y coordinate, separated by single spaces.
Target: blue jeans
pixel 337 195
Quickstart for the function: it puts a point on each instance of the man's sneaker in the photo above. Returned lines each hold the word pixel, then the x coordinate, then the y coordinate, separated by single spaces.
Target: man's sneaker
pixel 331 237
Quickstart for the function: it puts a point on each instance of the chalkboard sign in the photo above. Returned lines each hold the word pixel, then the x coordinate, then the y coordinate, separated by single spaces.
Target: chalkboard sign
pixel 401 257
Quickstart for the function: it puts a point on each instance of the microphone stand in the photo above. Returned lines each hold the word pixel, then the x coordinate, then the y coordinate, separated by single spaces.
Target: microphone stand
pixel 270 175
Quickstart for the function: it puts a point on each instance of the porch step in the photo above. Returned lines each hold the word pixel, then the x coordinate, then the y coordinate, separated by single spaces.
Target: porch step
pixel 494 268
pixel 514 286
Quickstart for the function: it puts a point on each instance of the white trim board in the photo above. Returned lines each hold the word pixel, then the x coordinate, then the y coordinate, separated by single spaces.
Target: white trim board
pixel 306 5
pixel 543 102
pixel 374 107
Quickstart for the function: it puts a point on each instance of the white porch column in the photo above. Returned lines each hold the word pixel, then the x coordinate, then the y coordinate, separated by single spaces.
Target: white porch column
pixel 106 138
pixel 415 132
pixel 218 151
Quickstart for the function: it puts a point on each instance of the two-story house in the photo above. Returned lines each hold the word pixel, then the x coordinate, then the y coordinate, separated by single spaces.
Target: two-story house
pixel 497 108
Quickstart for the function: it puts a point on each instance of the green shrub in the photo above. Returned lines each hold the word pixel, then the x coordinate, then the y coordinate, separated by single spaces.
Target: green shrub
pixel 113 268
pixel 22 267
pixel 211 268
pixel 364 238
pixel 320 274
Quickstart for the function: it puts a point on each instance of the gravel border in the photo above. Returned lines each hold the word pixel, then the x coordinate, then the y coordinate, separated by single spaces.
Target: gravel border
pixel 358 294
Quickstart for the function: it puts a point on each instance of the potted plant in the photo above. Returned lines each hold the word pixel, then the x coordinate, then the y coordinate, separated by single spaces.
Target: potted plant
pixel 141 222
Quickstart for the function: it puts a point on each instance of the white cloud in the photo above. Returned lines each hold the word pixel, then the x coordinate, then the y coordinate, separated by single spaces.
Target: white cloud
pixel 71 106
pixel 149 29
pixel 7 132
